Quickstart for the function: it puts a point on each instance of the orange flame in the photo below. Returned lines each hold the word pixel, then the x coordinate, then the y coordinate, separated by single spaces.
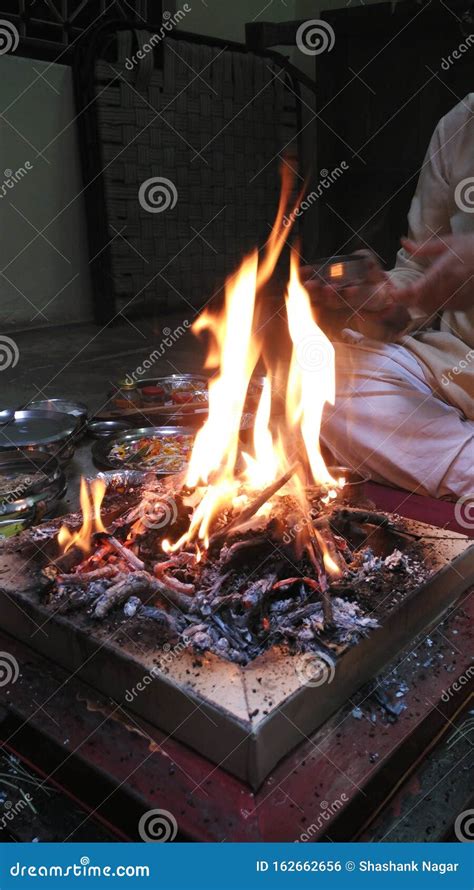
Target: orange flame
pixel 91 502
pixel 263 468
pixel 234 351
pixel 311 379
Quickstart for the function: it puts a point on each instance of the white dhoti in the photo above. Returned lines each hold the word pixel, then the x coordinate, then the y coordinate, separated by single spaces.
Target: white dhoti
pixel 388 423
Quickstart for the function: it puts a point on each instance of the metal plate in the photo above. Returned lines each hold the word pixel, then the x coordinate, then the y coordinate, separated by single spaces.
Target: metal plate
pixel 64 406
pixel 39 428
pixel 102 448
pixel 162 405
pixel 170 384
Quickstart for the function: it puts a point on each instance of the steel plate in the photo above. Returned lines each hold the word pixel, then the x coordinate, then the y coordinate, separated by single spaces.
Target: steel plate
pixel 30 428
pixel 102 448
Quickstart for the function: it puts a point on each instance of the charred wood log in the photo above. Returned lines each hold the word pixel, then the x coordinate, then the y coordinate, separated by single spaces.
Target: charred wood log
pixel 254 507
pixel 137 584
pixel 124 552
pixel 82 579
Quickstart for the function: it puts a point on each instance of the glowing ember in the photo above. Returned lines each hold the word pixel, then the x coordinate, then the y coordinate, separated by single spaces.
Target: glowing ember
pixel 91 501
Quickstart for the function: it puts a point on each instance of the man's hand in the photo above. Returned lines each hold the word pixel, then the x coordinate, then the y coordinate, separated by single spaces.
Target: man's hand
pixel 371 306
pixel 374 295
pixel 449 282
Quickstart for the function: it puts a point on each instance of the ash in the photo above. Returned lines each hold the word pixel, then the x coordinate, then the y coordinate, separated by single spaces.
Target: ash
pixel 250 592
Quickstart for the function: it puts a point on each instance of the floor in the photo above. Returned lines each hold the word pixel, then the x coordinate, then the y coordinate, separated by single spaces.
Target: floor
pixel 84 361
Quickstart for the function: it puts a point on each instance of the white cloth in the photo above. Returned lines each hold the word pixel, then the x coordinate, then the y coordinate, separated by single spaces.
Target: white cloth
pixel 387 422
pixel 398 406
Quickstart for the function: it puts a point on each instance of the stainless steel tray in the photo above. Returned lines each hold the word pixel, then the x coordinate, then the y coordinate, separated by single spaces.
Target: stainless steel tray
pixel 41 428
pixel 102 448
pixel 78 410
pixel 172 382
pixel 64 406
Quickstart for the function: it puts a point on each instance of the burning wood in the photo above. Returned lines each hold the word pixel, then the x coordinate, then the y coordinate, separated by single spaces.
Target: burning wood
pixel 254 507
pixel 232 569
pixel 128 555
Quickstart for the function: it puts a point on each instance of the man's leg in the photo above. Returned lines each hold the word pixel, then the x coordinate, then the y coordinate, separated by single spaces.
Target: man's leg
pixel 388 422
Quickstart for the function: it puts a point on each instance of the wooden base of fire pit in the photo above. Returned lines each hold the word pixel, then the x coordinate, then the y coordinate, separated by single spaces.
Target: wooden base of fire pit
pixel 245 719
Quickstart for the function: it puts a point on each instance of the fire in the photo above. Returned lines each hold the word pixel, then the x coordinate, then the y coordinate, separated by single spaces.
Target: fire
pixel 219 477
pixel 263 468
pixel 90 501
pixel 311 379
pixel 214 474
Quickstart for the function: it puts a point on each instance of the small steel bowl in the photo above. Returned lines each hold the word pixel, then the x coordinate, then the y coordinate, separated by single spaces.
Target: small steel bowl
pixel 101 429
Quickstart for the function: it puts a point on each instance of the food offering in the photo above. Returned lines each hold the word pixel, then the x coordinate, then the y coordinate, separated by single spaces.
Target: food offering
pixel 164 394
pixel 163 450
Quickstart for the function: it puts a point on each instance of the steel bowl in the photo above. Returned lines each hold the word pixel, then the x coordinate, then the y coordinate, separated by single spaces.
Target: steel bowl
pixel 102 429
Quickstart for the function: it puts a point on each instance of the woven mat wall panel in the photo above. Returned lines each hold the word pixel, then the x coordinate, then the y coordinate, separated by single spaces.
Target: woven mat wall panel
pixel 213 123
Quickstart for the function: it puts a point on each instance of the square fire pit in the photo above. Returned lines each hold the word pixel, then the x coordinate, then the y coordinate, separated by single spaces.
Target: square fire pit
pixel 243 718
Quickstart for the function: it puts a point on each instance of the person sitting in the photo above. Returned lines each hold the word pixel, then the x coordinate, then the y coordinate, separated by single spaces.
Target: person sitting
pixel 404 409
